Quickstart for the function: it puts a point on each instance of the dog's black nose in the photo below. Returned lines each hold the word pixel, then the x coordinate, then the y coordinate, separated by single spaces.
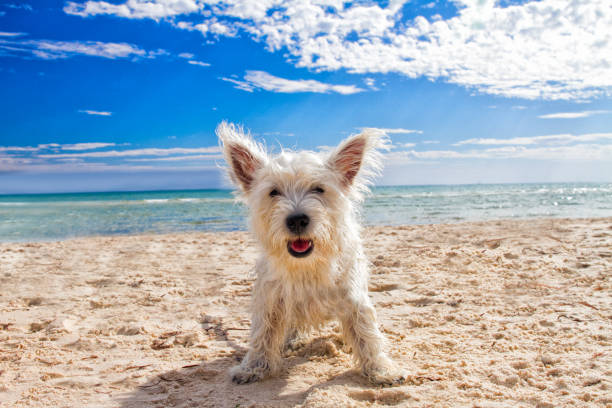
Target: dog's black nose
pixel 297 223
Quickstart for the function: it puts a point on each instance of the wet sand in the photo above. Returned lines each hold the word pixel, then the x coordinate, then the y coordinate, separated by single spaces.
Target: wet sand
pixel 489 314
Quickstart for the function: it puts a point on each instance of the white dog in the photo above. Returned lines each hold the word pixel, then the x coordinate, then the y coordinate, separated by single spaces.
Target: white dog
pixel 312 266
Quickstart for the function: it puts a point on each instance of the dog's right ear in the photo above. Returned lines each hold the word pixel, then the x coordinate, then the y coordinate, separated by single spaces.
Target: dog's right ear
pixel 358 158
pixel 242 154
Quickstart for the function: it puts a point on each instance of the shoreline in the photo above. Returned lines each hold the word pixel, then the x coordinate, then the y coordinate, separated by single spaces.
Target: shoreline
pixel 504 312
pixel 94 214
pixel 245 229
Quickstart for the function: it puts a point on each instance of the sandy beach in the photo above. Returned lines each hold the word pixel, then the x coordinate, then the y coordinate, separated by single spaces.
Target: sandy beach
pixel 490 314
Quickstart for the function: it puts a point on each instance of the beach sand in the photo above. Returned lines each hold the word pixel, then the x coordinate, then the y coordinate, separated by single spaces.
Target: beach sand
pixel 486 314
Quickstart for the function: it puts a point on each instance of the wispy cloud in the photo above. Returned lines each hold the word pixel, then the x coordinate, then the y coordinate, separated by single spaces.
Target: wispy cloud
pixel 23 6
pixel 87 156
pixel 268 82
pixel 86 146
pixel 51 49
pixel 8 34
pixel 579 152
pixel 574 115
pixel 534 50
pixel 62 166
pixel 186 55
pixel 135 152
pixel 390 131
pixel 548 139
pixel 17 149
pixel 200 63
pixel 370 83
pixel 96 113
pixel 57 147
pixel 198 157
pixel 242 85
pixel 66 49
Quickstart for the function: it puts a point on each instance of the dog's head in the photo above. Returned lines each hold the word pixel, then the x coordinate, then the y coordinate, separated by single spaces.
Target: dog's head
pixel 301 203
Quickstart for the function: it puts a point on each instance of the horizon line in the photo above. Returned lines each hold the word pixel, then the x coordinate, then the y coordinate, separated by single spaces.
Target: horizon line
pixel 373 187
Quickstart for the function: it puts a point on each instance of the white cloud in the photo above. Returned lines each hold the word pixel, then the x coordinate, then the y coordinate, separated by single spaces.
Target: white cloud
pixel 87 157
pixel 370 83
pixel 200 63
pixel 96 113
pixel 65 49
pixel 71 166
pixel 23 6
pixel 50 49
pixel 575 152
pixel 86 146
pixel 548 139
pixel 70 160
pixel 574 115
pixel 56 146
pixel 390 131
pixel 48 146
pixel 579 152
pixel 186 55
pixel 156 9
pixel 8 34
pixel 180 158
pixel 156 53
pixel 135 152
pixel 263 80
pixel 242 85
pixel 18 149
pixel 548 49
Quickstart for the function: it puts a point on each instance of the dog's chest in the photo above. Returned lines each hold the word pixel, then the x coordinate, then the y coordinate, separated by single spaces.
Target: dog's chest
pixel 312 303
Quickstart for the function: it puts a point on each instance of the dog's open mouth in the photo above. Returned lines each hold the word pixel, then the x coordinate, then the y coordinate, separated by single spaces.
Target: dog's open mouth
pixel 300 247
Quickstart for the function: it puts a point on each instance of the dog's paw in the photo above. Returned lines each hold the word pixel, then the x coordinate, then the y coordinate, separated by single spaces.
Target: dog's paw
pixel 242 374
pixel 245 375
pixel 387 376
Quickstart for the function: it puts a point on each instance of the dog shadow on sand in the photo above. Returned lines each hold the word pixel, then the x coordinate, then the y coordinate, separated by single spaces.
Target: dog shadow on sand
pixel 208 383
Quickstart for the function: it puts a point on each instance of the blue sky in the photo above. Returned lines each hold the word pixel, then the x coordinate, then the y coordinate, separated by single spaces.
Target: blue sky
pixel 125 95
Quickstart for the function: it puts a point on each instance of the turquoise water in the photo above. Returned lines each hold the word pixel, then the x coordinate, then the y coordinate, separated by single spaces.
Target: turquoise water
pixel 60 216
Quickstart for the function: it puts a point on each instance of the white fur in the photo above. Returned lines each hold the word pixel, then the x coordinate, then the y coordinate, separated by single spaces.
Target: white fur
pixel 292 295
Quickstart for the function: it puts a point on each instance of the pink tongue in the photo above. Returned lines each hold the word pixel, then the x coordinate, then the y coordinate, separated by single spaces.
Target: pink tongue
pixel 300 245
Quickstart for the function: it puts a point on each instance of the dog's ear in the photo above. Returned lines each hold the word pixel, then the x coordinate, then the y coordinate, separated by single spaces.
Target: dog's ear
pixel 243 155
pixel 357 159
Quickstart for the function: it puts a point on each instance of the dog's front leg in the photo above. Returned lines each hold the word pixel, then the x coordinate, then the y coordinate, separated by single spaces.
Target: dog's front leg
pixel 361 333
pixel 268 327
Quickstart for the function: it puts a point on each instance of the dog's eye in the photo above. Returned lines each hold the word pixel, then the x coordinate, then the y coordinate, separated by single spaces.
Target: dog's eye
pixel 274 193
pixel 318 190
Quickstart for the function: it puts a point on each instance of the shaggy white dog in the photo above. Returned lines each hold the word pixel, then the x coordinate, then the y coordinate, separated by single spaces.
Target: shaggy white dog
pixel 312 266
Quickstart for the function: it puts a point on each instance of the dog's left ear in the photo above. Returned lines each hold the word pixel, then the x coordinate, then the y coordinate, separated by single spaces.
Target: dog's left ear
pixel 357 159
pixel 242 153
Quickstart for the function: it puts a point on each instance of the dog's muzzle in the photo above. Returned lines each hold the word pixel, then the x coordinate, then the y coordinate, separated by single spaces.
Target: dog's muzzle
pixel 300 248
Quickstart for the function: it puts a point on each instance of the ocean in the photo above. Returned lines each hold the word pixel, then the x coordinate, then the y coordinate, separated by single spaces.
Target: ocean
pixel 44 217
